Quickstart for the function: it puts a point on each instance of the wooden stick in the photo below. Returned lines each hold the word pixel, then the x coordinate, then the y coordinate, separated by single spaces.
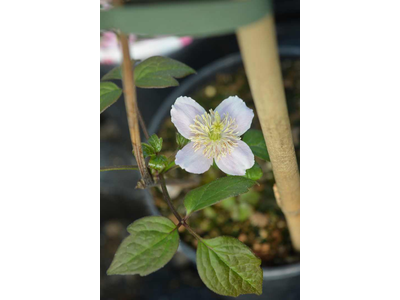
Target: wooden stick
pixel 257 43
pixel 131 111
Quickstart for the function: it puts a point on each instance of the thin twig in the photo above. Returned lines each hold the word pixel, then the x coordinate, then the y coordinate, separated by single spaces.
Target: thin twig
pixel 131 110
pixel 192 231
pixel 116 168
pixel 172 168
pixel 168 199
pixel 187 183
pixel 143 124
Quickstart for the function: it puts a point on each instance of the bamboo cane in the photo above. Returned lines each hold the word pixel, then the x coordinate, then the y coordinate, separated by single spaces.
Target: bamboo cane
pixel 259 50
pixel 131 111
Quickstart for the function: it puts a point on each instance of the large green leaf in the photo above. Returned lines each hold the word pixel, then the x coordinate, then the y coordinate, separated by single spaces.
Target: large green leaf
pixel 114 74
pixel 255 140
pixel 109 93
pixel 228 267
pixel 155 72
pixel 215 191
pixel 151 244
pixel 160 72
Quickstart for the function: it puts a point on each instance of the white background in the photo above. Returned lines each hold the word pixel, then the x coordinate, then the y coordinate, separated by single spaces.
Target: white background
pixel 350 132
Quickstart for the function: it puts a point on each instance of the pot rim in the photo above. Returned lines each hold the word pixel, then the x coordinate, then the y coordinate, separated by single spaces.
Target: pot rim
pixel 270 273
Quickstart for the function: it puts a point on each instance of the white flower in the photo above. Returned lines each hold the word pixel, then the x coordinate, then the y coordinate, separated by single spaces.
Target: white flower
pixel 213 136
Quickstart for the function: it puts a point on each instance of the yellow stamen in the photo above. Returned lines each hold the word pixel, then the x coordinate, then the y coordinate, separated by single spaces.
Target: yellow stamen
pixel 218 136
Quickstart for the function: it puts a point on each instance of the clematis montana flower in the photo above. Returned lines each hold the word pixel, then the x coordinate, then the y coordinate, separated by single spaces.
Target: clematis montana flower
pixel 213 136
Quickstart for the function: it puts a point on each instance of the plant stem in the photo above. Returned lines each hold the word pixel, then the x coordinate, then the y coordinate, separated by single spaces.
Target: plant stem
pixel 168 199
pixel 116 168
pixel 192 231
pixel 131 110
pixel 172 168
pixel 143 125
pixel 261 60
pixel 188 183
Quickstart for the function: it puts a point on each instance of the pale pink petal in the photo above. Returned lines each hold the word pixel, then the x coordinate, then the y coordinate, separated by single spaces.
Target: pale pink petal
pixel 237 109
pixel 191 161
pixel 183 112
pixel 236 163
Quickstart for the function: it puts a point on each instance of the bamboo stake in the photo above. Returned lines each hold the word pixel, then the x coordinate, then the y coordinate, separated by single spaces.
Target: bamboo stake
pixel 259 50
pixel 132 112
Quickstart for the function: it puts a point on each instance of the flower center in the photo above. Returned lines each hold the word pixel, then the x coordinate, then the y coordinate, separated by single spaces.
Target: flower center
pixel 218 136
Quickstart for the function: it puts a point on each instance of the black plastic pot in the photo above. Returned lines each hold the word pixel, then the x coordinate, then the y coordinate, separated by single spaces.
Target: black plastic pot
pixel 281 282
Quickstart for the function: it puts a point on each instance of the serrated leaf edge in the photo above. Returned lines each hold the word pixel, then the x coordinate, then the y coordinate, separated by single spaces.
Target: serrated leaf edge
pixel 144 273
pixel 259 260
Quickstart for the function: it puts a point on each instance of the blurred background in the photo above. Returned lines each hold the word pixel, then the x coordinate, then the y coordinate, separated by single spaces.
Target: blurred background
pixel 254 219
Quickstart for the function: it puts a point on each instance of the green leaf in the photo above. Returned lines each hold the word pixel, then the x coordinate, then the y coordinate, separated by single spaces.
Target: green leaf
pixel 228 267
pixel 169 165
pixel 155 142
pixel 160 72
pixel 215 191
pixel 154 72
pixel 181 140
pixel 151 244
pixel 109 93
pixel 148 150
pixel 254 173
pixel 158 163
pixel 115 73
pixel 255 140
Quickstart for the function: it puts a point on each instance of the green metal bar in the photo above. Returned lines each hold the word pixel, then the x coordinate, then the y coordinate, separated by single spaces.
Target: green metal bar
pixel 188 18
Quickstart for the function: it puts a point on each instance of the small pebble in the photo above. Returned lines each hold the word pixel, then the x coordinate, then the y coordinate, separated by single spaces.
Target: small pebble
pixel 257 247
pixel 210 91
pixel 265 248
pixel 259 219
pixel 113 229
pixel 242 237
pixel 263 233
pixel 281 224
